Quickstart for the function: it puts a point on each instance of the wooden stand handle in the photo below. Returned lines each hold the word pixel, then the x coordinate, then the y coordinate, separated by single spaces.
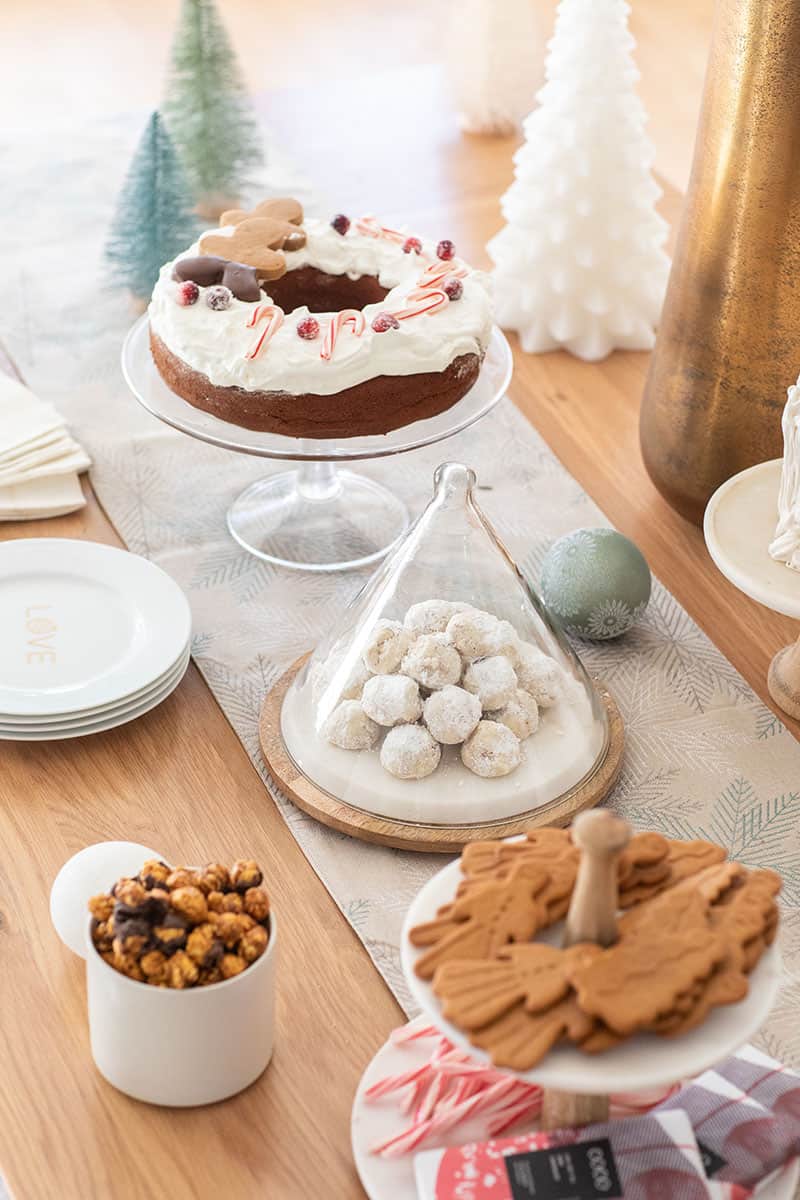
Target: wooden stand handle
pixel 592 917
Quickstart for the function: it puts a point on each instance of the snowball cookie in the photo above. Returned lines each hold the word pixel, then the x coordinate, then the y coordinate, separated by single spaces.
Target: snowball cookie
pixel 451 714
pixel 432 661
pixel 521 714
pixel 431 616
pixel 349 727
pixel 409 752
pixel 391 699
pixel 355 683
pixel 538 674
pixel 477 634
pixel 492 750
pixel 387 644
pixel 492 680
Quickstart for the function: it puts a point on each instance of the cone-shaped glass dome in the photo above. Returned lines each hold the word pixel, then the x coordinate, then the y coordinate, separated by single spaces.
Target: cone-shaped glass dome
pixel 445 695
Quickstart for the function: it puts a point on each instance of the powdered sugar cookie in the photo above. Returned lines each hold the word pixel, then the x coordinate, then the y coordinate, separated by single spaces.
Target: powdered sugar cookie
pixel 387 644
pixel 492 680
pixel 538 674
pixel 521 714
pixel 431 616
pixel 492 750
pixel 349 727
pixel 451 714
pixel 432 661
pixel 409 752
pixel 391 699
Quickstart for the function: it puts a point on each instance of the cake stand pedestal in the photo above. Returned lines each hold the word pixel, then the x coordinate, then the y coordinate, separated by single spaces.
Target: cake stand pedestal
pixel 738 527
pixel 317 516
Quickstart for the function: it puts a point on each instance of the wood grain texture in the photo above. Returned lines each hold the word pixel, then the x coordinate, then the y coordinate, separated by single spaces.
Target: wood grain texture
pixel 406 835
pixel 178 778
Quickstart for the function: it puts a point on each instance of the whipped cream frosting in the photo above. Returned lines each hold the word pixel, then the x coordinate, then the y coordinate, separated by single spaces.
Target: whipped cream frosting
pixel 216 343
pixel 785 547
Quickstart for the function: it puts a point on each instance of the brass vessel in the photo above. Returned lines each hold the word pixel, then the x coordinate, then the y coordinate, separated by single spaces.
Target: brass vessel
pixel 728 344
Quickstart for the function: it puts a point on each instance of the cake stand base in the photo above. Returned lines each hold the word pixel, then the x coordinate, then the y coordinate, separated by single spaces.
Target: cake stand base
pixel 317 518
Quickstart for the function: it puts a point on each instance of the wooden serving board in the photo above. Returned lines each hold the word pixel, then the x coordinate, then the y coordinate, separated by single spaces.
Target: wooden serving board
pixel 406 835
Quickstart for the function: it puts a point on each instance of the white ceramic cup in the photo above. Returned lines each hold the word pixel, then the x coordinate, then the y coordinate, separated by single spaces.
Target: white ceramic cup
pixel 181 1047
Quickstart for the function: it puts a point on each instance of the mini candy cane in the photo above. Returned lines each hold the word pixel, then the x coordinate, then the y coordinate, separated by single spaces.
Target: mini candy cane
pixel 429 301
pixel 274 318
pixel 433 276
pixel 348 316
pixel 371 228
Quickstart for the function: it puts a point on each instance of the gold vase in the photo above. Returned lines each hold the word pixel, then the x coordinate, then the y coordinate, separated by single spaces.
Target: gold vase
pixel 728 344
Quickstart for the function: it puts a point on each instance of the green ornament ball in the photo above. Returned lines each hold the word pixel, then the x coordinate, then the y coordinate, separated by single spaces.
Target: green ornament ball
pixel 596 583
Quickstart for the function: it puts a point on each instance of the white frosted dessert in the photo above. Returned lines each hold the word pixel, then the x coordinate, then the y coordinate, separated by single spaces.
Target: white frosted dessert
pixel 785 546
pixel 364 329
pixel 418 741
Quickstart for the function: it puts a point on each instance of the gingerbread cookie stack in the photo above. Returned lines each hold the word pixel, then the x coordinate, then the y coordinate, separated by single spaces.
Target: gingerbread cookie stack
pixel 316 329
pixel 694 926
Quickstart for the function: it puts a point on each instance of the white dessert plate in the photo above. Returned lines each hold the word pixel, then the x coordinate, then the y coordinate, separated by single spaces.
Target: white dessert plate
pixel 47 722
pixel 739 525
pixel 102 723
pixel 84 625
pixel 640 1062
pixel 373 1123
pixel 92 870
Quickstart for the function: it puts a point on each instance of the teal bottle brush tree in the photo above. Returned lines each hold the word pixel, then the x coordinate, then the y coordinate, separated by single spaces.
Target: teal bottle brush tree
pixel 154 219
pixel 208 112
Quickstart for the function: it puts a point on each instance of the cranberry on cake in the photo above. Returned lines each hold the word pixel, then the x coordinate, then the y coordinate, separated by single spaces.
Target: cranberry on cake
pixel 311 328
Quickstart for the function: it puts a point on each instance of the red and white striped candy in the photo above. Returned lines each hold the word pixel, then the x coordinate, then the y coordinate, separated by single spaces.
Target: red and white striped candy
pixel 372 228
pixel 274 318
pixel 348 316
pixel 435 274
pixel 428 301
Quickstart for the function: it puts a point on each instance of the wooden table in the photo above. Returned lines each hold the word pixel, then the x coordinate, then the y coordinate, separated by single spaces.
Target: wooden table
pixel 178 779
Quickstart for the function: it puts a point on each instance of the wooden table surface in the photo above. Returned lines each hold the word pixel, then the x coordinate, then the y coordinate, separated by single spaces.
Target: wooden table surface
pixel 179 780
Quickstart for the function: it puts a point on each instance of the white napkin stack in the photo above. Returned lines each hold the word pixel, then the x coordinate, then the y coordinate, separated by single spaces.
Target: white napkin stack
pixel 39 461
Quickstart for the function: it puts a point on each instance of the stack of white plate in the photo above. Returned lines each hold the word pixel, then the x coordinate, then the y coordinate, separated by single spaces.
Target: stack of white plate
pixel 90 637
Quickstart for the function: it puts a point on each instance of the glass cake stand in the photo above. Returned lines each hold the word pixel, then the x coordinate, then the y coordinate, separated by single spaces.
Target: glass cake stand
pixel 317 516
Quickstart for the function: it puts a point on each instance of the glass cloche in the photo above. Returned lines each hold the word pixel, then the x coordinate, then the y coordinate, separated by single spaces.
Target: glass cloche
pixel 445 696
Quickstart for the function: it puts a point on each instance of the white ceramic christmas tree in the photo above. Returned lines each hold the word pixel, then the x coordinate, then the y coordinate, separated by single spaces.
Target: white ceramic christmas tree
pixel 494 62
pixel 580 263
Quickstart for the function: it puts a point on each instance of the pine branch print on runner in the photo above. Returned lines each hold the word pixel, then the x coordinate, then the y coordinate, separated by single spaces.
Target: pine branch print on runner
pixel 208 111
pixel 154 219
pixel 580 262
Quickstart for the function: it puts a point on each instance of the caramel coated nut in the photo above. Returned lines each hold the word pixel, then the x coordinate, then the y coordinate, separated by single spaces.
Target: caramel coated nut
pixel 253 943
pixel 181 877
pixel 154 873
pixel 101 907
pixel 204 947
pixel 190 903
pixel 154 967
pixel 131 894
pixel 245 874
pixel 181 971
pixel 256 903
pixel 232 964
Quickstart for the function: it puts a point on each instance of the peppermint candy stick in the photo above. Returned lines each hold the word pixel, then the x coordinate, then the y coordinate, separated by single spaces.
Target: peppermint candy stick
pixel 348 316
pixel 274 318
pixel 426 302
pixel 372 228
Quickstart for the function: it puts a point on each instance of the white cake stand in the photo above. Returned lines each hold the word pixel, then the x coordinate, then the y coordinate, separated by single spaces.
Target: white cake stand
pixel 316 517
pixel 739 526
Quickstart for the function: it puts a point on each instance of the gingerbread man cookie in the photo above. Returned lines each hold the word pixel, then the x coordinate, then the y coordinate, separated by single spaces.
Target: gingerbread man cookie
pixel 260 237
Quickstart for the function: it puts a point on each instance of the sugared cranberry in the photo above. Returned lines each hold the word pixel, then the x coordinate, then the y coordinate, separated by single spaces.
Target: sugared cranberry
pixel 187 293
pixel 219 297
pixel 412 245
pixel 453 288
pixel 385 321
pixel 445 250
pixel 341 223
pixel 308 328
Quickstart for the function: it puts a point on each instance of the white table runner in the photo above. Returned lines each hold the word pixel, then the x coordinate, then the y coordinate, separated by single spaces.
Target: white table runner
pixel 705 757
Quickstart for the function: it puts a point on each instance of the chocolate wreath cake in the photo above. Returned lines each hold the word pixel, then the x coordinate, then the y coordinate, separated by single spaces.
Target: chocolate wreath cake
pixel 318 329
